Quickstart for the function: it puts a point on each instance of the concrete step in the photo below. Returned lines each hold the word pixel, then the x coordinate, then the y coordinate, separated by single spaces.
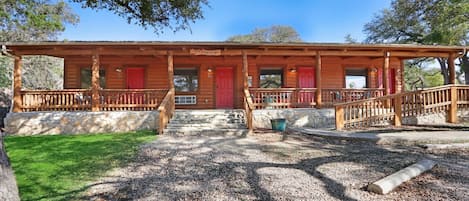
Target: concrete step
pixel 201 122
pixel 206 126
pixel 185 132
pixel 206 121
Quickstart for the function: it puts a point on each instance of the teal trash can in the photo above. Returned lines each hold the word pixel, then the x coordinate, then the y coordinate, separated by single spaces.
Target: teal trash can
pixel 278 124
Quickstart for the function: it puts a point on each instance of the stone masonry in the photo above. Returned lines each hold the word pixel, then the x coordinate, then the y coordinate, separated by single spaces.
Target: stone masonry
pixel 299 117
pixel 37 123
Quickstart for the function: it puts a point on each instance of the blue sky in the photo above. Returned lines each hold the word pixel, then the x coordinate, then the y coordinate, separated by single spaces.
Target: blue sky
pixel 315 21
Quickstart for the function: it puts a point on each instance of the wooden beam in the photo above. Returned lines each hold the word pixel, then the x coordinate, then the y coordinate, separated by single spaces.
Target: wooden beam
pixel 351 53
pixel 245 71
pixel 419 54
pixel 95 100
pixel 170 70
pixel 318 80
pixel 17 100
pixel 387 90
pixel 451 69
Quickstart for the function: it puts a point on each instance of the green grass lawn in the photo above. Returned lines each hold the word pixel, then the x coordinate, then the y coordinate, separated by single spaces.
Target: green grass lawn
pixel 58 167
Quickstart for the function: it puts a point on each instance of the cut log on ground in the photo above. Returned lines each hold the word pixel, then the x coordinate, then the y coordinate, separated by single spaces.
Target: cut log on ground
pixel 447 146
pixel 8 188
pixel 390 182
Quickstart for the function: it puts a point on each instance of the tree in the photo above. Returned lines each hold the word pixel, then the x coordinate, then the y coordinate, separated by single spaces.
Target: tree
pixel 26 20
pixel 158 14
pixel 38 20
pixel 429 22
pixel 33 20
pixel 349 39
pixel 274 34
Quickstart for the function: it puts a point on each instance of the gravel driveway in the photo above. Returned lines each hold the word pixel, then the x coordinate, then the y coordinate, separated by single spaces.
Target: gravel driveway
pixel 269 166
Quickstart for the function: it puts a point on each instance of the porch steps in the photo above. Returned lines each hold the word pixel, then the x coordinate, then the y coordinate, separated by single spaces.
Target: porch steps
pixel 203 122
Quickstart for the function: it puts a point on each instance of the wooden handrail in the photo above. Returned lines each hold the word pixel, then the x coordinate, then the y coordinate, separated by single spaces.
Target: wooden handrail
pixel 248 107
pixel 80 99
pixel 394 107
pixel 166 110
pixel 279 98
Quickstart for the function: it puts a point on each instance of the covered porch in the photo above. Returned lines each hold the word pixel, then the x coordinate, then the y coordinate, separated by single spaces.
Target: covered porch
pixel 309 75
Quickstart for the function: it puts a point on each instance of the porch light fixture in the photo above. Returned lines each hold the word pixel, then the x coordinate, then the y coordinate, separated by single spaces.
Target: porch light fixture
pixel 209 69
pixel 292 70
pixel 374 70
pixel 118 70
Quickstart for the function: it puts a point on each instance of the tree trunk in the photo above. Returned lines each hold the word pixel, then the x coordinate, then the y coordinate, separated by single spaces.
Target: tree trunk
pixel 464 61
pixel 444 70
pixel 8 188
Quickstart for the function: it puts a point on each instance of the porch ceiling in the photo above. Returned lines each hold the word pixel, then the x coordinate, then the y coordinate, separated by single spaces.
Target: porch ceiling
pixel 153 48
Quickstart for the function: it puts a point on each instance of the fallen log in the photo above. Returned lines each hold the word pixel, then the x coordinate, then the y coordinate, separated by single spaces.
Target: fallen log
pixel 389 183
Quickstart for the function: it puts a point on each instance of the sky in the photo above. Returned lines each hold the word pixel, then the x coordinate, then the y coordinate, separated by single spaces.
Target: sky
pixel 315 21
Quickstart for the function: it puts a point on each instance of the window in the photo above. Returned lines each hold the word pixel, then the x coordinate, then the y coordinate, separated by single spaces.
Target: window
pixel 185 100
pixel 86 78
pixel 356 78
pixel 271 78
pixel 186 79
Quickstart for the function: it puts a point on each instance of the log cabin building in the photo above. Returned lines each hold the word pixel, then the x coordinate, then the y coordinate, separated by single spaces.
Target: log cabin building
pixel 115 76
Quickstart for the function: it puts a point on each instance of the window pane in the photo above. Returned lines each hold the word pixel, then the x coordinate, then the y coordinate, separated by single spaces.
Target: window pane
pixel 186 80
pixel 271 78
pixel 356 78
pixel 86 78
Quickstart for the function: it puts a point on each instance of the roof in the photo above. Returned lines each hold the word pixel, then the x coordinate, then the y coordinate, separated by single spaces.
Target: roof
pixel 64 48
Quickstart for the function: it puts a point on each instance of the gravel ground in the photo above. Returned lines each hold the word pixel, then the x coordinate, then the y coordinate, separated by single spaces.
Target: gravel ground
pixel 270 166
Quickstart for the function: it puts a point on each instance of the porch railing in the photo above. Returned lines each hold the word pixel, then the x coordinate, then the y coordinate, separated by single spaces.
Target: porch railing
pixel 80 99
pixel 248 107
pixel 332 96
pixel 306 97
pixel 393 108
pixel 56 100
pixel 282 98
pixel 134 99
pixel 166 110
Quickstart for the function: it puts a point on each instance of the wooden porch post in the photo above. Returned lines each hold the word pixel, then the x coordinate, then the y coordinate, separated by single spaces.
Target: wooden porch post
pixel 170 70
pixel 398 110
pixel 452 71
pixel 17 101
pixel 453 108
pixel 246 88
pixel 387 90
pixel 95 83
pixel 245 71
pixel 318 80
pixel 171 79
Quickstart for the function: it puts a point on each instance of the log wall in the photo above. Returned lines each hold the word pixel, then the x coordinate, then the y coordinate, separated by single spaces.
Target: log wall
pixel 156 77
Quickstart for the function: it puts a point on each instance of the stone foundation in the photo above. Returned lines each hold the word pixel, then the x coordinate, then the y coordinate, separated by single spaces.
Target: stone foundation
pixel 300 117
pixel 37 123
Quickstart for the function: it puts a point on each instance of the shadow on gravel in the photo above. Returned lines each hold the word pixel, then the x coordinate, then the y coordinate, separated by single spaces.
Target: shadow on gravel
pixel 197 168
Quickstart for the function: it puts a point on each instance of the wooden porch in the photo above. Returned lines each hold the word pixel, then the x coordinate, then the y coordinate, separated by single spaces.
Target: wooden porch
pixel 328 64
pixel 392 109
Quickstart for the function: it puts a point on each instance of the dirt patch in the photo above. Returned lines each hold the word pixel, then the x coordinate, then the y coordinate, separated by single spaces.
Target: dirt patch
pixel 274 166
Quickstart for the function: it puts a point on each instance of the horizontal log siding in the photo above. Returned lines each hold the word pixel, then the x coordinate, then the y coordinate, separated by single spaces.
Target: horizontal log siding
pixel 156 75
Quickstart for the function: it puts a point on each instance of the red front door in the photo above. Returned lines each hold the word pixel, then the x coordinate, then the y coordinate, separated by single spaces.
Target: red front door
pixel 224 81
pixel 306 79
pixel 135 78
